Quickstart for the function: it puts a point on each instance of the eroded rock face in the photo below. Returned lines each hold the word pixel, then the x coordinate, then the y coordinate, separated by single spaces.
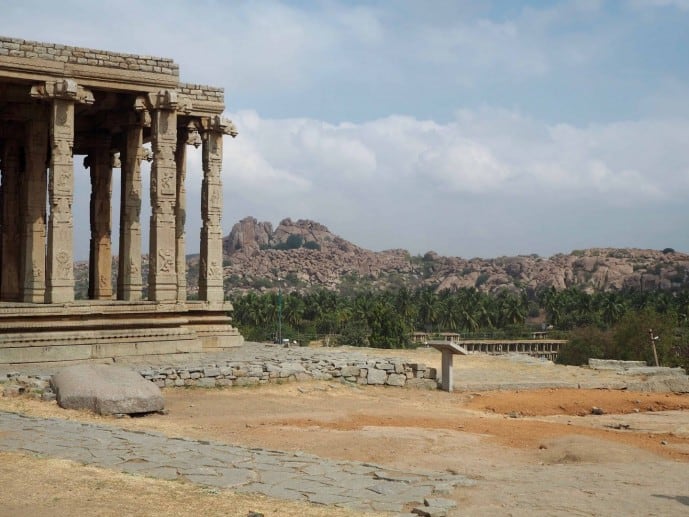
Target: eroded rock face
pixel 106 390
pixel 248 234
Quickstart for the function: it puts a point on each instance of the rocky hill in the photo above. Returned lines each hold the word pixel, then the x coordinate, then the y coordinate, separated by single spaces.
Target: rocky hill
pixel 305 254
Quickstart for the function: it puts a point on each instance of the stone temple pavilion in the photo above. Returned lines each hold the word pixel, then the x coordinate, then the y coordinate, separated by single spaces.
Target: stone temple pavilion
pixel 57 102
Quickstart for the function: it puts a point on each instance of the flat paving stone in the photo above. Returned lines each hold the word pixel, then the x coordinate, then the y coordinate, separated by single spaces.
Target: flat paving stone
pixel 282 475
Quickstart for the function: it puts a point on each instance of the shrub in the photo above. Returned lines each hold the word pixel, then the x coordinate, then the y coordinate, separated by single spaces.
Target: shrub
pixel 354 333
pixel 586 343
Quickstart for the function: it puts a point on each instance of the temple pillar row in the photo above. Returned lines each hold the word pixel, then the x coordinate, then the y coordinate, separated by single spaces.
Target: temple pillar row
pixel 37 245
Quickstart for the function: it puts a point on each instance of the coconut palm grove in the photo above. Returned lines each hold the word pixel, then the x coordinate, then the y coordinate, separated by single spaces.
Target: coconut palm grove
pixel 597 325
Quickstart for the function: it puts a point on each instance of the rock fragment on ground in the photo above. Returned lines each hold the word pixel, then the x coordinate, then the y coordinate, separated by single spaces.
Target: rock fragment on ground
pixel 106 389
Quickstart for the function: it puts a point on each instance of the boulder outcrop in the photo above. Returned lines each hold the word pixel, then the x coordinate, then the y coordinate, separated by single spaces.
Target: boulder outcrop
pixel 259 258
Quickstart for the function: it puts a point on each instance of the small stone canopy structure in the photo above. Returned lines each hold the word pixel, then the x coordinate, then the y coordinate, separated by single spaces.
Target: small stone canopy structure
pixel 448 350
pixel 56 102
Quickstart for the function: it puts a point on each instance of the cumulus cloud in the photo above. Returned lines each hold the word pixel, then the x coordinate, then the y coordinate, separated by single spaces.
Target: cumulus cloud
pixel 487 157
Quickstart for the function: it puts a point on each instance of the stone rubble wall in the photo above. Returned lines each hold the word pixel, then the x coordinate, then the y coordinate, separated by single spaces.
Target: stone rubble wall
pixel 380 372
pixel 383 372
pixel 85 56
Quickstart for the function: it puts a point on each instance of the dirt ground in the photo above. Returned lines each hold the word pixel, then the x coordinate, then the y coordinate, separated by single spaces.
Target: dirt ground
pixel 532 452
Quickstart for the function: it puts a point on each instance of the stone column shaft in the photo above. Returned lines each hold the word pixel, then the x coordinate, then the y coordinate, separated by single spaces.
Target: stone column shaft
pixel 210 266
pixel 100 253
pixel 162 275
pixel 11 231
pixel 33 239
pixel 180 217
pixel 446 364
pixel 60 261
pixel 129 281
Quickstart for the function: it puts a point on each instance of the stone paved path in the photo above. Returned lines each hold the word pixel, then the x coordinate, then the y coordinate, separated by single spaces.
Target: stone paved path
pixel 283 475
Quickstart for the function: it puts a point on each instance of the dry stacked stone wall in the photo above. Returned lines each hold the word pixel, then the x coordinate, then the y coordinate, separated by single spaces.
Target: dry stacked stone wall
pixel 380 372
pixel 365 371
pixel 86 56
pixel 202 92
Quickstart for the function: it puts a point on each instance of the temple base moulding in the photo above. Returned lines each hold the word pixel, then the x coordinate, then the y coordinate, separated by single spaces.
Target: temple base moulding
pixel 106 331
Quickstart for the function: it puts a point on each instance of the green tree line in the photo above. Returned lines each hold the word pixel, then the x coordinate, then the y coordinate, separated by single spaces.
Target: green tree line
pixel 602 325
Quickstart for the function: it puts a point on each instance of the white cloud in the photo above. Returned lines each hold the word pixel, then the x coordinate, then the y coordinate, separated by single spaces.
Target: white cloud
pixel 400 171
pixel 623 158
pixel 463 166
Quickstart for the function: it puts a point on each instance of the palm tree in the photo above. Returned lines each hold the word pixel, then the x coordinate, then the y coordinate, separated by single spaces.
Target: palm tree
pixel 293 310
pixel 428 308
pixel 404 304
pixel 512 310
pixel 612 309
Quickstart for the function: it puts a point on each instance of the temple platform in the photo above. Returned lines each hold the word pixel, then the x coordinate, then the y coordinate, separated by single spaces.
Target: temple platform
pixel 106 330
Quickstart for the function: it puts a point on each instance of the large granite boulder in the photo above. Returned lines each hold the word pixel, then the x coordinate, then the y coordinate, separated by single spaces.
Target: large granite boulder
pixel 106 389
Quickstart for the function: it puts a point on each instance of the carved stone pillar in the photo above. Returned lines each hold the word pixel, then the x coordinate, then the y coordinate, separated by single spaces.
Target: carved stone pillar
pixel 210 262
pixel 129 282
pixel 162 273
pixel 100 249
pixel 181 216
pixel 188 135
pixel 60 261
pixel 33 259
pixel 11 231
pixel 61 96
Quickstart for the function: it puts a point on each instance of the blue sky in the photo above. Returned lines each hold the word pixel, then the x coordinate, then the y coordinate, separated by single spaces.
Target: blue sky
pixel 470 128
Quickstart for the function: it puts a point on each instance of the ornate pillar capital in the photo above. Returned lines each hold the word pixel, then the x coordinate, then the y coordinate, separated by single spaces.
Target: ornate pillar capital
pixel 65 89
pixel 164 100
pixel 219 124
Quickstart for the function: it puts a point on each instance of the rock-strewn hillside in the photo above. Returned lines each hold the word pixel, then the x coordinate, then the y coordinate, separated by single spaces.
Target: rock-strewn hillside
pixel 305 254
